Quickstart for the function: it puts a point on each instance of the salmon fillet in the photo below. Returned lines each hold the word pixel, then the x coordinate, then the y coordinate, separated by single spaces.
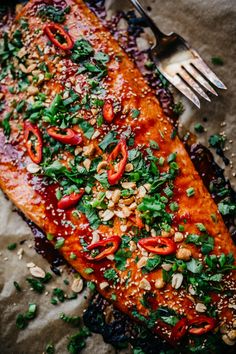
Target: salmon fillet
pixel 168 253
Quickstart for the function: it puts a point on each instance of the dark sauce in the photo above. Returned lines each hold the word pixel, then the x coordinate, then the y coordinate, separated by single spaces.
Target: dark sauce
pixel 214 180
pixel 45 248
pixel 118 329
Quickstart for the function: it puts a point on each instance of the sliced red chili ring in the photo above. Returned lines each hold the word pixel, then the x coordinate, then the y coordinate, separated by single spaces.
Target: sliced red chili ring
pixel 34 142
pixel 114 175
pixel 68 201
pixel 108 111
pixel 69 136
pixel 201 325
pixel 107 246
pixel 158 245
pixel 179 330
pixel 53 30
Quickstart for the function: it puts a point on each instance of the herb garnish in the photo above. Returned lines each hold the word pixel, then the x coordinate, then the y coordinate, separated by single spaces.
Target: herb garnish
pixel 12 246
pixel 77 341
pixel 50 349
pixel 111 274
pixel 75 321
pixel 36 285
pixel 55 14
pixel 17 286
pixel 205 241
pixel 23 319
pixel 217 61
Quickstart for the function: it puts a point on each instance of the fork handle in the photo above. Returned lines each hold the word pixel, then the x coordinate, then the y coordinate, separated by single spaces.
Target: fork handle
pixel 157 32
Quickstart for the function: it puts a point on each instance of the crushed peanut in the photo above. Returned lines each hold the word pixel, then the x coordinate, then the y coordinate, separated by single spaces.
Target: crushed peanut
pixel 184 254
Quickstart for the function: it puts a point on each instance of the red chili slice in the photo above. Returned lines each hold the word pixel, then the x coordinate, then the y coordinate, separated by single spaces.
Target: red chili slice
pixel 69 136
pixel 107 246
pixel 158 245
pixel 179 330
pixel 52 30
pixel 114 175
pixel 201 325
pixel 108 111
pixel 68 201
pixel 34 146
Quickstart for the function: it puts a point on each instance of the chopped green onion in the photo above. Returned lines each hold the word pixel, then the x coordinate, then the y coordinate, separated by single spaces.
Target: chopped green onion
pixel 11 246
pixel 135 113
pixel 198 128
pixel 190 191
pixel 201 227
pixel 59 243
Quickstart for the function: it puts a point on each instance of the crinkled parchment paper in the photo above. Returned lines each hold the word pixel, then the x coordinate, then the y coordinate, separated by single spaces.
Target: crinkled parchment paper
pixel 210 26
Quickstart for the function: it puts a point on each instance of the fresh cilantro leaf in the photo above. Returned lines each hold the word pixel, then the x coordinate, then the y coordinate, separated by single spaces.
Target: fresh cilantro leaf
pixel 109 139
pixel 91 214
pixel 111 274
pixel 207 244
pixel 82 50
pixel 152 264
pixel 54 169
pixel 102 57
pixel 121 257
pixel 167 315
pixel 194 266
pixel 53 13
pixel 87 128
pixel 102 178
pixel 192 238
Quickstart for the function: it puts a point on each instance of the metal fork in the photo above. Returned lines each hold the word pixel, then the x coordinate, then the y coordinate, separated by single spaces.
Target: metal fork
pixel 180 64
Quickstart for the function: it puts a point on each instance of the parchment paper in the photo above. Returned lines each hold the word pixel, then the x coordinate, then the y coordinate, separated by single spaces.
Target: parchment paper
pixel 210 26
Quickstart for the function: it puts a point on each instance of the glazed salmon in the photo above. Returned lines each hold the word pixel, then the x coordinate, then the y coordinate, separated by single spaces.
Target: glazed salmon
pixel 87 154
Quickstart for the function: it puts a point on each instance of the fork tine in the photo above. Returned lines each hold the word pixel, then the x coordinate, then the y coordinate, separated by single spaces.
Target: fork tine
pixel 197 76
pixel 208 73
pixel 183 88
pixel 192 83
